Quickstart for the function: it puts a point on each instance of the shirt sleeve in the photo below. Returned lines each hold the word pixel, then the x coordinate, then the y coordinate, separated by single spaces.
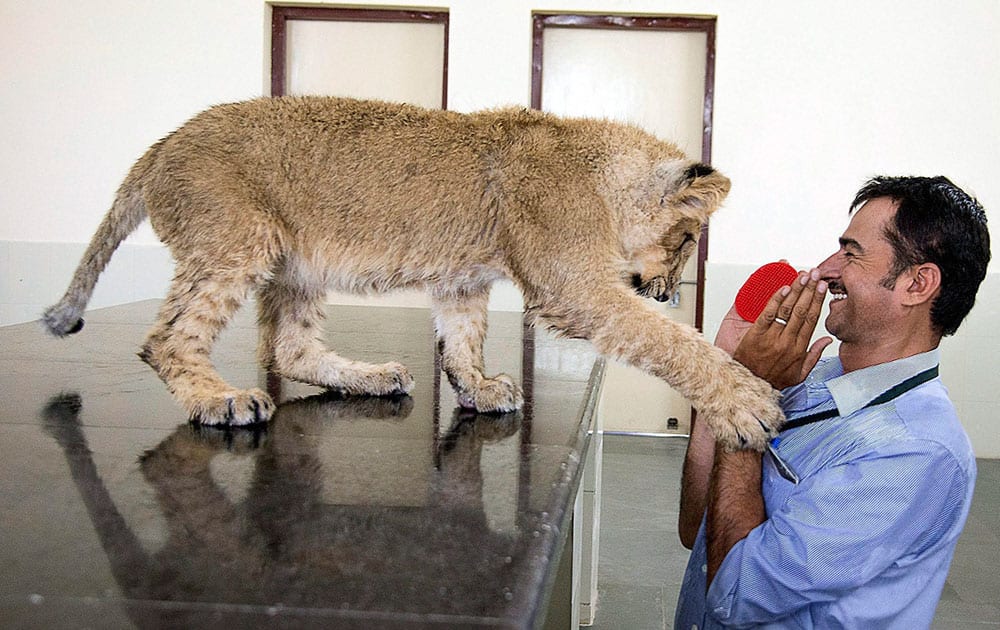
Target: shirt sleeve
pixel 836 531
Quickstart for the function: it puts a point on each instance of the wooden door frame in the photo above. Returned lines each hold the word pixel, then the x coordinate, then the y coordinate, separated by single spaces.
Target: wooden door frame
pixel 280 15
pixel 700 24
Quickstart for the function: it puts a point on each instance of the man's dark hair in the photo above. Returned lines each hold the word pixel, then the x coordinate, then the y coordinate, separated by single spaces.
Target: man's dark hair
pixel 936 222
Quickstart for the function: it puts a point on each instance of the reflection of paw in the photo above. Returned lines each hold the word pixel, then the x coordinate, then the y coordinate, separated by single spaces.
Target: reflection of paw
pixel 499 394
pixel 192 446
pixel 236 407
pixel 387 379
pixel 743 412
pixel 490 427
pixel 336 405
pixel 468 426
pixel 217 438
pixel 63 407
pixel 62 419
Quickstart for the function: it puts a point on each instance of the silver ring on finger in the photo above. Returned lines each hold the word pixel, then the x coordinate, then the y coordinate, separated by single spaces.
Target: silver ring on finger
pixel 778 320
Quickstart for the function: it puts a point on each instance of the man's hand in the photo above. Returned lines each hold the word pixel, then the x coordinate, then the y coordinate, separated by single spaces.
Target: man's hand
pixel 776 351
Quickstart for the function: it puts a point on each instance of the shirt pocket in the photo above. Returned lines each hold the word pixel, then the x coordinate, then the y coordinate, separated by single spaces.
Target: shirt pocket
pixel 775 488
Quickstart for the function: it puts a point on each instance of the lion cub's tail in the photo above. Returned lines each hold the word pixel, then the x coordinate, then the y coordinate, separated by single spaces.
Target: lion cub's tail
pixel 127 212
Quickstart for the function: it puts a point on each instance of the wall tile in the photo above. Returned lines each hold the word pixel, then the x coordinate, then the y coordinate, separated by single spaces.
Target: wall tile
pixel 985 315
pixel 35 275
pixel 39 272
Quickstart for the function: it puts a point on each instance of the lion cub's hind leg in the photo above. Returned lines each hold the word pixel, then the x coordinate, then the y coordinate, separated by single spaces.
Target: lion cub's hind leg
pixel 290 314
pixel 460 322
pixel 178 347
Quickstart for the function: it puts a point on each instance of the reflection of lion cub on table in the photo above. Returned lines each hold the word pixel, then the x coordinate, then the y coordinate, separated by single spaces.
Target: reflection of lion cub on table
pixel 291 197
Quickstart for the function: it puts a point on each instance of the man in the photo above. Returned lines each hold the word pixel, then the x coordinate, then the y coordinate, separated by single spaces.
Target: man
pixel 885 471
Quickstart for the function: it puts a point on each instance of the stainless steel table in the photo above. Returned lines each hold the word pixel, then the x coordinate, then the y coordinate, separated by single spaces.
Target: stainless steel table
pixel 342 512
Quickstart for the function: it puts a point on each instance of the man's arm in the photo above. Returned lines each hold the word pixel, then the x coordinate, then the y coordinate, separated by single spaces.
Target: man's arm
pixel 698 461
pixel 700 454
pixel 735 504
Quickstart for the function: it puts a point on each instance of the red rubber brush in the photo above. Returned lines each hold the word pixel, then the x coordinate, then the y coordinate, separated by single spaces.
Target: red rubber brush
pixel 760 286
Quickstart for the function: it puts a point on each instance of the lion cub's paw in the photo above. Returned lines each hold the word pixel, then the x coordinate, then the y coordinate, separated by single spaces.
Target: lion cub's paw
pixel 748 430
pixel 744 412
pixel 386 379
pixel 494 395
pixel 236 407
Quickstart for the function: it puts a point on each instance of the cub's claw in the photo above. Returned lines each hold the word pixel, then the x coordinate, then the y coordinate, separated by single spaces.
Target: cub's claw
pixel 238 408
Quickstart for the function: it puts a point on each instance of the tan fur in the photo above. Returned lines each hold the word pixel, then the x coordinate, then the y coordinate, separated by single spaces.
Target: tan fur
pixel 291 197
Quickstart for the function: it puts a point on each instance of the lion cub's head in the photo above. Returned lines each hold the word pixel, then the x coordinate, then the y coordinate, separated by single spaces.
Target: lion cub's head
pixel 688 196
pixel 657 269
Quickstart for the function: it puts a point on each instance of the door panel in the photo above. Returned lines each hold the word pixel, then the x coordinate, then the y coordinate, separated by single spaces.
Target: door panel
pixel 656 79
pixel 378 60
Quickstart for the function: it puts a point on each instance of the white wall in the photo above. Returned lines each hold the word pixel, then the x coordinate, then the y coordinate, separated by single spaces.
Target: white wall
pixel 810 100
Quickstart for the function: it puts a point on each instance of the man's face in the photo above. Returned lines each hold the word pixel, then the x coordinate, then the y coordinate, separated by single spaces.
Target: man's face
pixel 862 309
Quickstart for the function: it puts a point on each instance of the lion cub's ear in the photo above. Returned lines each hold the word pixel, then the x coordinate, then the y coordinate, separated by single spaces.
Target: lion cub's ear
pixel 698 192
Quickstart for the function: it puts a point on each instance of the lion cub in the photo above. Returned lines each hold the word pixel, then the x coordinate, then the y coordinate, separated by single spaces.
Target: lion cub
pixel 291 197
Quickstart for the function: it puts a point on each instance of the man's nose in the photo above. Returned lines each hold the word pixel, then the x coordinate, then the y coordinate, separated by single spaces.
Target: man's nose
pixel 830 268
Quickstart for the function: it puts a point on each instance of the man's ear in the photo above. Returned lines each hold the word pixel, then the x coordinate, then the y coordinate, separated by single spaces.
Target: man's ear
pixel 701 191
pixel 923 283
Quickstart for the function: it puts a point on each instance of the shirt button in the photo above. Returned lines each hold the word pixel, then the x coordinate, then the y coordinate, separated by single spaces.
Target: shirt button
pixel 694 627
pixel 704 568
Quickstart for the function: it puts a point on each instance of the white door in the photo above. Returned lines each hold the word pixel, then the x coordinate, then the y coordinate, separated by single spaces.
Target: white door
pixel 656 79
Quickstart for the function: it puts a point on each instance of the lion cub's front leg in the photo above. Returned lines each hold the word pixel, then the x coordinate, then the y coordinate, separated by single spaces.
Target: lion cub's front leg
pixel 460 322
pixel 741 409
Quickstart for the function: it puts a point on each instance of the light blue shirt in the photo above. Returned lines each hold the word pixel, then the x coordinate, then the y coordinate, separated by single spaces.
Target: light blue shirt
pixel 866 537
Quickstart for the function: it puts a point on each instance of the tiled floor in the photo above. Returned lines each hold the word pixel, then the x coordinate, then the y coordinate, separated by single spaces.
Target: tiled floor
pixel 642 561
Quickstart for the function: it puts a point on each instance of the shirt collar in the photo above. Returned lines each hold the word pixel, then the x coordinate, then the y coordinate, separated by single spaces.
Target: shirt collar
pixel 854 390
